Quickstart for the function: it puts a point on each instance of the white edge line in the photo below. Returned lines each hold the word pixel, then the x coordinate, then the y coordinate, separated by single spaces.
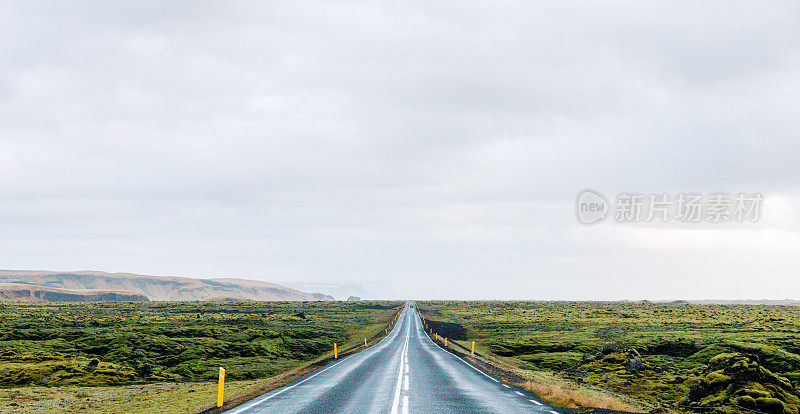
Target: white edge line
pixel 505 385
pixel 286 388
pixel 465 362
pixel 518 393
pixel 485 374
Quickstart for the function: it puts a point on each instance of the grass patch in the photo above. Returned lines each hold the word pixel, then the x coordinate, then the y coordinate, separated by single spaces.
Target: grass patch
pixel 191 397
pixel 574 397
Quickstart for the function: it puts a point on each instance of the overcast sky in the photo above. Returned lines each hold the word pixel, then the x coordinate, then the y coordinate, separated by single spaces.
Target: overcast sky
pixel 439 146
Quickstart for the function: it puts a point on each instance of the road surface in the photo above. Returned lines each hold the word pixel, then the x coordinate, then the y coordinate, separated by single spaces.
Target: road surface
pixel 404 373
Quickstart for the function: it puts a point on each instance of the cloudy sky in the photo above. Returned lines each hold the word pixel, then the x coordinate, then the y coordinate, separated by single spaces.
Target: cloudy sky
pixel 439 146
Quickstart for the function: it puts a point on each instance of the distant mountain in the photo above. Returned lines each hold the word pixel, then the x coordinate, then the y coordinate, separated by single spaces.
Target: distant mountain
pixel 167 288
pixel 20 292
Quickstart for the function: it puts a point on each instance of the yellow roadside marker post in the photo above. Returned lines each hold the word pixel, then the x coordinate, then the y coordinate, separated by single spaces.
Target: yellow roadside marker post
pixel 445 342
pixel 437 336
pixel 335 351
pixel 473 348
pixel 365 342
pixel 221 386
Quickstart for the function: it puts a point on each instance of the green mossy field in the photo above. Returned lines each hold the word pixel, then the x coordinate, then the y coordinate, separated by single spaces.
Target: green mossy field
pixel 681 355
pixel 113 343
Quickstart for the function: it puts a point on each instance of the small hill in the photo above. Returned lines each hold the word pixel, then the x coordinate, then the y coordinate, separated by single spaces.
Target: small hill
pixel 161 288
pixel 30 293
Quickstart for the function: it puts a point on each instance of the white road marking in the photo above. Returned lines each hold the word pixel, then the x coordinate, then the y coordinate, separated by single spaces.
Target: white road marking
pixel 284 389
pixel 476 369
pixel 465 362
pixel 396 400
pixel 483 373
pixel 405 404
pixel 405 383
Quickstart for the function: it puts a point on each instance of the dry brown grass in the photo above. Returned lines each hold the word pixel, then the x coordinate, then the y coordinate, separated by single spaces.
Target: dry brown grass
pixel 82 394
pixel 574 398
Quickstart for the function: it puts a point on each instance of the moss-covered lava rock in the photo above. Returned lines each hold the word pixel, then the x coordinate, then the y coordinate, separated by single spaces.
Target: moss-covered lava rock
pixel 733 380
pixel 623 369
pixel 53 368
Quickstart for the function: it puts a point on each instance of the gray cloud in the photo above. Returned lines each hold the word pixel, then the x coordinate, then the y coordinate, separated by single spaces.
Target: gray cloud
pixel 437 146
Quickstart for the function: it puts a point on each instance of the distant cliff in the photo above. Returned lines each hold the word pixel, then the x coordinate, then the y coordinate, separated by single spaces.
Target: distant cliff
pixel 166 288
pixel 30 293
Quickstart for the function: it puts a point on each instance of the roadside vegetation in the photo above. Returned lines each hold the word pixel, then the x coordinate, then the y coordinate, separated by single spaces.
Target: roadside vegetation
pixel 681 356
pixel 105 356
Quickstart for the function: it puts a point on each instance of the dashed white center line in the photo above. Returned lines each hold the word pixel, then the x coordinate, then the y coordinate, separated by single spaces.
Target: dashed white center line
pixel 405 404
pixel 403 362
pixel 405 383
pixel 505 385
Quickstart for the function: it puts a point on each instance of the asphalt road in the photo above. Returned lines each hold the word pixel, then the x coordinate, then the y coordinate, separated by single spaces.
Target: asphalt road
pixel 404 373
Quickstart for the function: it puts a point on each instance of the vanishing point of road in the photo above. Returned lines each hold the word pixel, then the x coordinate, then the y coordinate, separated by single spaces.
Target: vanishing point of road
pixel 405 372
